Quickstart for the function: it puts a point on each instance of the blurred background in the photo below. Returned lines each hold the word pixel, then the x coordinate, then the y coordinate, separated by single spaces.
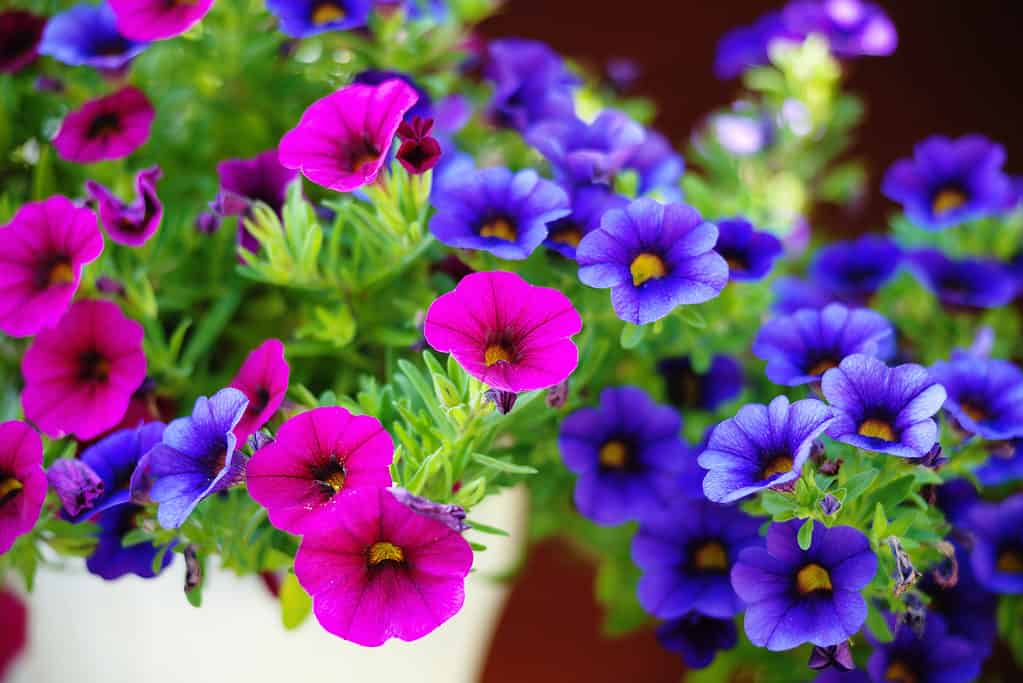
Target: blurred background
pixel 956 71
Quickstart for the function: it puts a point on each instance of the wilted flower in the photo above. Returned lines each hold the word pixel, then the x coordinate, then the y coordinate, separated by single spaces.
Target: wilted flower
pixel 130 224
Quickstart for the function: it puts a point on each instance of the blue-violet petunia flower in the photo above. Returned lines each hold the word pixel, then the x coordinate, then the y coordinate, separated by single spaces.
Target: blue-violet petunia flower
pixel 589 203
pixel 697 638
pixel 852 271
pixel 749 252
pixel 966 283
pixel 531 83
pixel 303 18
pixel 111 559
pixel 931 657
pixel 692 390
pixel 583 153
pixel 87 35
pixel 997 554
pixel 985 395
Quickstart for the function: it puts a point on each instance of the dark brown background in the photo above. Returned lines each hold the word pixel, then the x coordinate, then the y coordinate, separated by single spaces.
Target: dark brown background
pixel 956 71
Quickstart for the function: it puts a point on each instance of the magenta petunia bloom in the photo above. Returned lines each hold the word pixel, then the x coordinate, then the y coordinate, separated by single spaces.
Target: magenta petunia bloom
pixel 42 251
pixel 263 378
pixel 158 19
pixel 130 224
pixel 111 127
pixel 81 374
pixel 505 332
pixel 20 33
pixel 342 139
pixel 22 481
pixel 319 459
pixel 377 570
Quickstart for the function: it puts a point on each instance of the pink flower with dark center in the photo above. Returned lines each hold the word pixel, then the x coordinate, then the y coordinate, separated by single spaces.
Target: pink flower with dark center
pixel 81 374
pixel 319 459
pixel 342 139
pixel 158 19
pixel 377 570
pixel 42 251
pixel 111 127
pixel 22 481
pixel 130 224
pixel 506 332
pixel 263 378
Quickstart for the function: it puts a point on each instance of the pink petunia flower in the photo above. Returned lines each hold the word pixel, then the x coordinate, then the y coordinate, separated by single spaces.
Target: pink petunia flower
pixel 42 251
pixel 111 127
pixel 81 374
pixel 342 139
pixel 158 19
pixel 263 378
pixel 22 481
pixel 319 459
pixel 505 332
pixel 377 570
pixel 130 224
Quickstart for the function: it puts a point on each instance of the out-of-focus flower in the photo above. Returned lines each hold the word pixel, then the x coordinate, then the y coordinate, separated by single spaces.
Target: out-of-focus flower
pixel 302 18
pixel 853 28
pixel 697 638
pixel 933 656
pixel 692 390
pixel 583 153
pixel 965 284
pixel 20 33
pixel 110 127
pixel 750 253
pixel 589 204
pixel 22 481
pixel 157 19
pixel 985 395
pixel 87 35
pixel 856 269
pixel 423 108
pixel 997 555
pixel 531 83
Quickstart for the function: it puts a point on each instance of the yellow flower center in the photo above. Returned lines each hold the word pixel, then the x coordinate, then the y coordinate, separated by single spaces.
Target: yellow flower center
pixel 9 488
pixel 976 413
pixel 382 551
pixel 1009 561
pixel 710 556
pixel 822 366
pixel 813 577
pixel 326 12
pixel 570 236
pixel 779 465
pixel 60 274
pixel 500 228
pixel 645 267
pixel 947 200
pixel 897 672
pixel 497 353
pixel 614 454
pixel 335 480
pixel 876 429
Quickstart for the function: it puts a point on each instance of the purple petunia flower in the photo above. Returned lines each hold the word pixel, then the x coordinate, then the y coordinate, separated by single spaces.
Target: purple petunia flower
pixel 796 596
pixel 692 390
pixel 589 204
pixel 318 460
pixel 158 19
pixel 496 210
pixel 582 153
pixel 882 409
pixel 743 134
pixel 75 483
pixel 628 454
pixel 263 378
pixel 985 395
pixel 749 252
pixel 42 252
pixel 81 374
pixel 130 224
pixel 792 294
pixel 506 332
pixel 967 608
pixel 342 139
pixel 303 18
pixel 20 33
pixel 197 457
pixel 697 638
pixel 855 270
pixel 934 656
pixel 261 178
pixel 531 83
pixel 963 284
pixel 948 182
pixel 22 481
pixel 377 570
pixel 686 553
pixel 747 46
pixel 761 447
pixel 111 127
pixel 87 35
pixel 658 165
pixel 654 257
pixel 801 347
pixel 997 555
pixel 853 28
pixel 111 559
pixel 423 108
pixel 1003 465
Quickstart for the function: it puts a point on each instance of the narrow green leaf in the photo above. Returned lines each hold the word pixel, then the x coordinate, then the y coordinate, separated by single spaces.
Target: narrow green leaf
pixel 485 529
pixel 135 537
pixel 502 465
pixel 880 523
pixel 296 605
pixel 632 335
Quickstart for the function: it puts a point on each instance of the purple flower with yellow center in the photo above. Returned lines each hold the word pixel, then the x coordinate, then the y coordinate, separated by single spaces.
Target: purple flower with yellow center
pixel 854 270
pixel 627 452
pixel 749 252
pixel 302 18
pixel 87 35
pixel 197 457
pixel 654 258
pixel 761 447
pixel 589 204
pixel 692 390
pixel 658 165
pixel 20 33
pixel 697 638
pixel 801 347
pixel 883 409
pixel 948 182
pixel 130 224
pixel 1005 464
pixel 997 555
pixel 853 28
pixel 966 283
pixel 531 83
pixel 985 395
pixel 686 552
pixel 582 153
pixel 933 656
pixel 111 559
pixel 796 596
pixel 498 211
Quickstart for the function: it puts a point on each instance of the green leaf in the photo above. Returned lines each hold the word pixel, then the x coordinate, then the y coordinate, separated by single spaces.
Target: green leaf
pixel 880 523
pixel 296 605
pixel 632 335
pixel 135 537
pixel 877 624
pixel 859 483
pixel 776 503
pixel 194 596
pixel 692 317
pixel 485 529
pixel 502 465
pixel 805 535
pixel 894 492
